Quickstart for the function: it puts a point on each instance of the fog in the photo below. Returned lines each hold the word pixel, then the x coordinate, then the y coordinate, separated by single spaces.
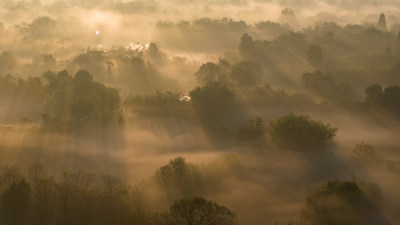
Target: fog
pixel 245 112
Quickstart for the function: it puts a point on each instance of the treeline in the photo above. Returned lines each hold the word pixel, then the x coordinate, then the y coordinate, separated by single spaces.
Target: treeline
pixel 63 103
pixel 82 198
pixel 355 55
pixel 37 197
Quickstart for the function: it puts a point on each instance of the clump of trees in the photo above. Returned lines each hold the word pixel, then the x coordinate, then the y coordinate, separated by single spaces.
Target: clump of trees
pixel 179 179
pixel 365 153
pixel 79 102
pixel 253 131
pixel 214 102
pixel 301 133
pixel 340 202
pixel 199 211
pixel 84 198
pixel 388 98
pixel 244 73
pixel 159 104
pixel 314 55
pixel 22 98
pixel 8 62
pixel 325 86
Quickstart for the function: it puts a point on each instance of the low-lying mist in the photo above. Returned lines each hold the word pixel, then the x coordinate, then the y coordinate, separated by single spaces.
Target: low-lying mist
pixel 243 112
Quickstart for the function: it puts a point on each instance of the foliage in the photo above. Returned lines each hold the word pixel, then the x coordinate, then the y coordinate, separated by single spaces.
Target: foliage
pixel 22 98
pixel 215 105
pixel 374 93
pixel 314 55
pixel 244 73
pixel 213 72
pixel 80 101
pixel 301 133
pixel 199 211
pixel 325 86
pixel 69 198
pixel 15 201
pixel 246 47
pixel 340 202
pixel 253 130
pixel 212 93
pixel 365 153
pixel 390 98
pixel 387 99
pixel 8 62
pixel 178 178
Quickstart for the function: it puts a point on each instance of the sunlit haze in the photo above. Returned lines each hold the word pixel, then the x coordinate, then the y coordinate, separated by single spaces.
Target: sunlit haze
pixel 199 112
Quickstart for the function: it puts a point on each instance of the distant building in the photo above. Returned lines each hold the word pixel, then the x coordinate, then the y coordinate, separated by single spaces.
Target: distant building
pixel 382 22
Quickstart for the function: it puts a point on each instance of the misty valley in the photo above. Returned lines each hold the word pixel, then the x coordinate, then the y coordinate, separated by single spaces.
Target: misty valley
pixel 210 112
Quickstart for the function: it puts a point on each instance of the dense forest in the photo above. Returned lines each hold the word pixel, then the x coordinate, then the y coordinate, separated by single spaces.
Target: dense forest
pixel 199 112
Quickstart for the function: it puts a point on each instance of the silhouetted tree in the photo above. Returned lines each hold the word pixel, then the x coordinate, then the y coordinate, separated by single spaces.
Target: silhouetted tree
pixel 253 131
pixel 339 202
pixel 287 12
pixel 212 72
pixel 60 90
pixel 246 73
pixel 374 93
pixel 365 153
pixel 246 47
pixel 199 211
pixel 214 102
pixel 391 98
pixel 302 133
pixel 8 62
pixel 93 103
pixel 178 178
pixel 314 55
pixel 325 86
pixel 16 201
pixel 153 51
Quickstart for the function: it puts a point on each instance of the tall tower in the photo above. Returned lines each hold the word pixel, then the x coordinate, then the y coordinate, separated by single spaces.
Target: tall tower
pixel 382 22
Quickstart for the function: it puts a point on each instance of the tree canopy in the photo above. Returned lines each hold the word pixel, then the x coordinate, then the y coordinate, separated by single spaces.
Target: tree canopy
pixel 340 202
pixel 198 211
pixel 302 133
